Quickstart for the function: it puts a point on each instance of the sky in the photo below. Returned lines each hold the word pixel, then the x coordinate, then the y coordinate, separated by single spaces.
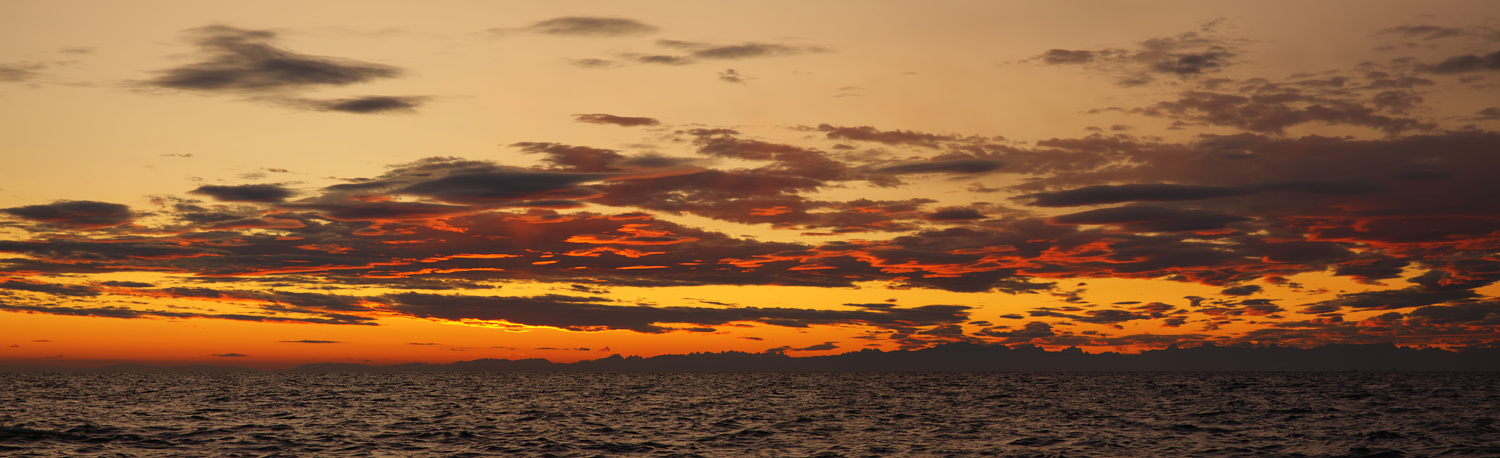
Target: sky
pixel 275 183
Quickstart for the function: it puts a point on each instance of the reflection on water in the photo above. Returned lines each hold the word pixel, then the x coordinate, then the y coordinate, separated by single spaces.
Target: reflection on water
pixel 751 414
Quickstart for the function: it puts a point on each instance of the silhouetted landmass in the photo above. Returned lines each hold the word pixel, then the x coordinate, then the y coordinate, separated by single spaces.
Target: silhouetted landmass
pixel 129 367
pixel 948 357
pixel 974 357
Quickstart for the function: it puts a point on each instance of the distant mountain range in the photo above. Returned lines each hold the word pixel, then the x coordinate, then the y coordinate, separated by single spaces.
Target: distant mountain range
pixel 948 357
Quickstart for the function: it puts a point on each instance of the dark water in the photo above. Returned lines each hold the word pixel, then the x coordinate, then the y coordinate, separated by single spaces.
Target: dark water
pixel 751 414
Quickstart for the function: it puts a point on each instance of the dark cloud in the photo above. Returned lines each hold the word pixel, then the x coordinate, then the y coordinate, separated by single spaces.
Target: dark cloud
pixel 1393 299
pixel 20 72
pixel 1370 269
pixel 81 253
pixel 247 62
pixel 242 60
pixel 382 211
pixel 1094 316
pixel 49 288
pixel 893 137
pixel 1184 55
pixel 370 104
pixel 1031 331
pixel 593 63
pixel 1064 56
pixel 1273 113
pixel 1155 192
pixel 954 214
pixel 593 314
pixel 696 52
pixel 1425 32
pixel 126 284
pixel 501 186
pixel 574 158
pixel 819 347
pixel 1465 64
pixel 1193 63
pixel 311 341
pixel 1242 290
pixel 1488 114
pixel 1151 219
pixel 662 59
pixel 130 313
pixel 75 214
pixel 1227 210
pixel 626 121
pixel 1111 194
pixel 461 184
pixel 738 51
pixel 229 355
pixel 949 166
pixel 729 75
pixel 591 26
pixel 245 193
pixel 1478 313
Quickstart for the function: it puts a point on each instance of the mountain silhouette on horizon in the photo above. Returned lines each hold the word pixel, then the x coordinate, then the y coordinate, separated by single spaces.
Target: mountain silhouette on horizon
pixel 978 357
pixel 957 356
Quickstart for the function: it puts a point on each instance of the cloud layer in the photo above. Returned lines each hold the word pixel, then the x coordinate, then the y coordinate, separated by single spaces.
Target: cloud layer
pixel 247 63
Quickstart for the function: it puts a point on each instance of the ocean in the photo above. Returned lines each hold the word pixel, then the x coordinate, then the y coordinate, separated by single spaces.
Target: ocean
pixel 762 414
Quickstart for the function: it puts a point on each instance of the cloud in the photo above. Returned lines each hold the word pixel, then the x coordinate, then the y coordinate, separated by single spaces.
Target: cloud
pixel 1274 113
pixel 370 104
pixel 75 214
pixel 592 63
pixel 1162 192
pixel 624 121
pixel 698 51
pixel 131 313
pixel 746 50
pixel 1064 56
pixel 49 288
pixel 1030 331
pixel 239 60
pixel 949 166
pixel 1151 219
pixel 893 137
pixel 954 214
pixel 1242 290
pixel 818 347
pixel 1393 299
pixel 591 26
pixel 20 72
pixel 245 193
pixel 1094 316
pixel 229 355
pixel 503 186
pixel 126 284
pixel 1425 32
pixel 731 76
pixel 581 313
pixel 1478 313
pixel 1465 64
pixel 248 63
pixel 1185 55
pixel 1223 210
pixel 310 341
pixel 574 158
pixel 460 183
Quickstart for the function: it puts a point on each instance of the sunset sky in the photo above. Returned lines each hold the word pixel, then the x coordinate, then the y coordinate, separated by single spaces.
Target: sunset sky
pixel 268 184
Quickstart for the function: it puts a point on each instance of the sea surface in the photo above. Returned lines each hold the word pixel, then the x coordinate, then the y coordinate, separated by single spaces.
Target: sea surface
pixel 681 414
